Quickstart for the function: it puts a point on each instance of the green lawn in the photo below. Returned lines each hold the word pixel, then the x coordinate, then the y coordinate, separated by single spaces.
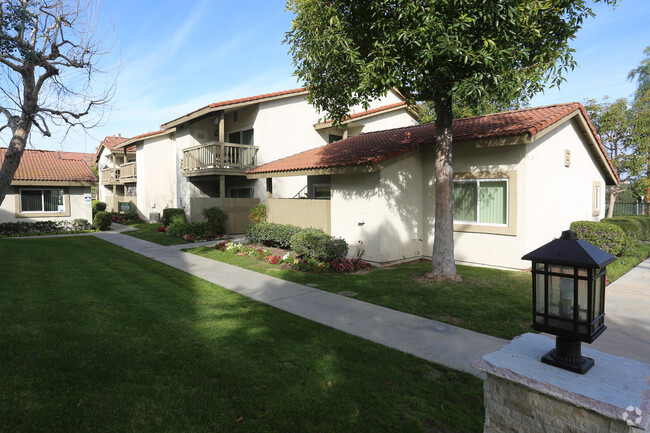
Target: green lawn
pixel 95 338
pixel 149 232
pixel 489 301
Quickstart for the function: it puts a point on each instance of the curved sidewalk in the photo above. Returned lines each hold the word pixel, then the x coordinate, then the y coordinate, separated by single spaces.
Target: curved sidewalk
pixel 434 341
pixel 627 309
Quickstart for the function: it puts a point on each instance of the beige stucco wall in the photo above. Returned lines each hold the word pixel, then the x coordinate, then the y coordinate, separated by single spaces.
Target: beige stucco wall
pixel 156 167
pixel 557 195
pixel 396 204
pixel 76 206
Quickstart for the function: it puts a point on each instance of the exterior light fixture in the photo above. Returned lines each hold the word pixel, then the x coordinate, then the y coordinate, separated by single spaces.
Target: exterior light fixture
pixel 569 297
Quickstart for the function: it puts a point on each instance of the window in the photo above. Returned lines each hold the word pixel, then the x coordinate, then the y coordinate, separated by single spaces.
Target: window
pixel 241 137
pixel 42 200
pixel 241 192
pixel 333 137
pixel 322 191
pixel 482 201
pixel 595 211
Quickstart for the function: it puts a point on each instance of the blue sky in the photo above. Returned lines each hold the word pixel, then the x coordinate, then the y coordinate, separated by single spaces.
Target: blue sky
pixel 174 57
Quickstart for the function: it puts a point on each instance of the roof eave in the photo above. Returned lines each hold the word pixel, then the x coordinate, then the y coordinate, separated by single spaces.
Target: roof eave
pixel 213 108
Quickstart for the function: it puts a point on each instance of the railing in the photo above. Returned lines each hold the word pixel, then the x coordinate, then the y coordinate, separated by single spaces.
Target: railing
pixel 128 172
pixel 216 156
pixel 110 175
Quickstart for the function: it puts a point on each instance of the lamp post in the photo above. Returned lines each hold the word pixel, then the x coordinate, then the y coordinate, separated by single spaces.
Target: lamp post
pixel 569 297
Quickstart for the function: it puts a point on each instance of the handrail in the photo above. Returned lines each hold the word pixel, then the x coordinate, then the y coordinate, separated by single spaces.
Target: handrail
pixel 218 155
pixel 302 191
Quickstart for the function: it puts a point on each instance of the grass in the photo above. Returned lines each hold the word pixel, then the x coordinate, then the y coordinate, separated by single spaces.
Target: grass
pixel 489 301
pixel 96 338
pixel 149 232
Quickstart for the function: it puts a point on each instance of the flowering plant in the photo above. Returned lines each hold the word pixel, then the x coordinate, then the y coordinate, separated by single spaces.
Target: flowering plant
pixel 162 229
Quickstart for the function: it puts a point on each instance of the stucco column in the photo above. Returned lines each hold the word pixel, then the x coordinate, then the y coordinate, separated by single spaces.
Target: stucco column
pixel 222 187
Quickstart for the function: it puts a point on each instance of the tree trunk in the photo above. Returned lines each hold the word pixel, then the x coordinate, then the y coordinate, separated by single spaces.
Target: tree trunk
pixel 443 265
pixel 12 157
pixel 613 192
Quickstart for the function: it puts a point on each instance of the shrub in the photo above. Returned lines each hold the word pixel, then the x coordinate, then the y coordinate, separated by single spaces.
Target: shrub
pixel 98 206
pixel 637 227
pixel 79 224
pixel 605 236
pixel 180 228
pixel 217 218
pixel 102 220
pixel 258 214
pixel 310 265
pixel 318 245
pixel 169 213
pixel 271 234
pixel 348 265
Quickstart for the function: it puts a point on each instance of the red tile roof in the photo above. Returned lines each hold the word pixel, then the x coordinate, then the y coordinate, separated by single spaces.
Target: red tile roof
pixel 111 141
pixel 44 165
pixel 224 104
pixel 374 147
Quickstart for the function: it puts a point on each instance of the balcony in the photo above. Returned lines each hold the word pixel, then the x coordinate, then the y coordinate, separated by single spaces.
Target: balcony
pixel 125 173
pixel 217 158
pixel 128 173
pixel 111 176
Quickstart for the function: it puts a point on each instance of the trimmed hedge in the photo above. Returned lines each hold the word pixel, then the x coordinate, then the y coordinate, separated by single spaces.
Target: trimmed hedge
pixel 98 206
pixel 180 228
pixel 606 236
pixel 170 213
pixel 271 234
pixel 103 220
pixel 636 226
pixel 318 245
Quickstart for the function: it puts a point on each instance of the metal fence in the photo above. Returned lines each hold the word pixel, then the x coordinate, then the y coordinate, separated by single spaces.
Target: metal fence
pixel 631 209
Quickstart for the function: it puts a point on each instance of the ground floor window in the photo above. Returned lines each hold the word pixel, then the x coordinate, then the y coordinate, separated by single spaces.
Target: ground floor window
pixel 240 192
pixel 482 201
pixel 42 200
pixel 322 191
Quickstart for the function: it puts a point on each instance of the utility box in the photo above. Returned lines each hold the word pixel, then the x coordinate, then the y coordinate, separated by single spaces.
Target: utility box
pixel 154 217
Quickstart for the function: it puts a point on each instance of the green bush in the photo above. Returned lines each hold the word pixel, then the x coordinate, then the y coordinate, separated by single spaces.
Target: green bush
pixel 606 236
pixel 271 234
pixel 79 224
pixel 98 206
pixel 102 220
pixel 258 214
pixel 217 218
pixel 637 227
pixel 180 228
pixel 318 245
pixel 169 213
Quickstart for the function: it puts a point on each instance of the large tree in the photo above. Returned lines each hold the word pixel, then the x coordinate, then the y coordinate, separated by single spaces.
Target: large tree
pixel 623 130
pixel 350 51
pixel 49 76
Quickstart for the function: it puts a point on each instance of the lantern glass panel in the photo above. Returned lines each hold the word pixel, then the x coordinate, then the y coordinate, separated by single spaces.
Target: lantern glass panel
pixel 583 289
pixel 540 292
pixel 539 267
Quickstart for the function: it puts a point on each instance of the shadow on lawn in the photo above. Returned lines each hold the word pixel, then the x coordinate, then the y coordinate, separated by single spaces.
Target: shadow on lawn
pixel 96 338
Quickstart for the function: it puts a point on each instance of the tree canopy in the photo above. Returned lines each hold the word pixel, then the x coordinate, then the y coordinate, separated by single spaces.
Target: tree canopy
pixel 49 72
pixel 349 52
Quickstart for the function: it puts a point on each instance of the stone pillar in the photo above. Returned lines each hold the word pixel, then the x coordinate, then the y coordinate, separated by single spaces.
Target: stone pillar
pixel 523 395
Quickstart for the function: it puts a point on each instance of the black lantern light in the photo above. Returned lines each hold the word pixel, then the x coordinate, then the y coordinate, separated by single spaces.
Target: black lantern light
pixel 569 297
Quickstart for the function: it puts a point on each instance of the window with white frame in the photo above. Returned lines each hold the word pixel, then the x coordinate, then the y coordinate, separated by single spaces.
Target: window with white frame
pixel 596 199
pixel 481 201
pixel 42 200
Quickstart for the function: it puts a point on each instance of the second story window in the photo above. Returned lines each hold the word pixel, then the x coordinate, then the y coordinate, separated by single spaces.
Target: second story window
pixel 241 137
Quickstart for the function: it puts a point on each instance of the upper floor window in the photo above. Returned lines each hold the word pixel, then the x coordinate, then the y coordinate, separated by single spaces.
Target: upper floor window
pixel 333 137
pixel 241 137
pixel 42 200
pixel 482 201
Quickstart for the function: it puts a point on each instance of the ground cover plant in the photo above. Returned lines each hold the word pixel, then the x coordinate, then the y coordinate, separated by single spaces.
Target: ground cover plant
pixel 489 301
pixel 153 349
pixel 37 228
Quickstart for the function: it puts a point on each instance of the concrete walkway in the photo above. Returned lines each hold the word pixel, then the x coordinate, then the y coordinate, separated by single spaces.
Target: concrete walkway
pixel 434 341
pixel 627 309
